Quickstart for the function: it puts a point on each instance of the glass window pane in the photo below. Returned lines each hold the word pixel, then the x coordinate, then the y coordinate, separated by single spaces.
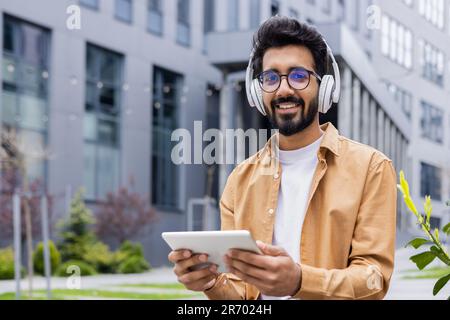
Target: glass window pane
pixel 91 64
pixel 108 101
pixel 109 69
pixel 32 112
pixel 124 10
pixel 155 22
pixel 9 102
pixel 90 126
pixel 108 170
pixel 107 132
pixel 89 170
pixel 183 34
pixel 155 5
pixel 8 37
pixel 90 3
pixel 9 69
pixel 255 13
pixel 233 15
pixel 34 49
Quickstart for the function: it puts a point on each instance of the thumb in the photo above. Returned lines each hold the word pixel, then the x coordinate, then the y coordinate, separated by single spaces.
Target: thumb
pixel 270 250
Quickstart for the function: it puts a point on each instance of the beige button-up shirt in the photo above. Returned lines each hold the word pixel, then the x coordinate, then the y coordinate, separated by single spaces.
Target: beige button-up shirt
pixel 348 235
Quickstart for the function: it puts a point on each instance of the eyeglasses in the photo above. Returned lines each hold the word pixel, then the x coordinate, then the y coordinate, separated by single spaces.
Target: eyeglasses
pixel 297 78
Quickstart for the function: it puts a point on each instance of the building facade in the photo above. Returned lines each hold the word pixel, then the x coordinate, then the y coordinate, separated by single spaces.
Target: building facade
pixel 95 100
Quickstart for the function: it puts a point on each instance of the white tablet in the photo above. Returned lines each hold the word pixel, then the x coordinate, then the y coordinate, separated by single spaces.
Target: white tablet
pixel 213 243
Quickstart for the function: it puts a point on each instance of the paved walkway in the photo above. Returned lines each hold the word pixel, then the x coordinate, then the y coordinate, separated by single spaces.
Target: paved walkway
pixel 400 289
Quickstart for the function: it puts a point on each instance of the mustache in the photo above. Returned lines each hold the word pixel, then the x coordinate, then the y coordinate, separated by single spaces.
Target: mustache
pixel 290 99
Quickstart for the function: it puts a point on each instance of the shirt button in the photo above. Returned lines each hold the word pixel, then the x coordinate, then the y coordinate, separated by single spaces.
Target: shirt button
pixel 270 211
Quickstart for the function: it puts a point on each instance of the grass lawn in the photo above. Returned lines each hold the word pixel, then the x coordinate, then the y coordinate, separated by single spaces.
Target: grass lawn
pixel 177 286
pixel 431 273
pixel 66 294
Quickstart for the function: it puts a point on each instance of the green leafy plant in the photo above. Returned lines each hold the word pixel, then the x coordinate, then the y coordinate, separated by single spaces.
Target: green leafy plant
pixel 76 233
pixel 7 264
pixel 38 257
pixel 85 269
pixel 437 250
pixel 100 257
pixel 130 258
pixel 133 264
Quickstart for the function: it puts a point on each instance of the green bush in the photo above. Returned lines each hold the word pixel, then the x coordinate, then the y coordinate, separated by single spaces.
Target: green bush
pixel 100 257
pixel 75 231
pixel 6 263
pixel 132 249
pixel 38 258
pixel 85 268
pixel 134 264
pixel 130 258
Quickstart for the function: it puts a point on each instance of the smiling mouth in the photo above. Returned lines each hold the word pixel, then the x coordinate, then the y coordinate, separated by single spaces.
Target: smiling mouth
pixel 287 106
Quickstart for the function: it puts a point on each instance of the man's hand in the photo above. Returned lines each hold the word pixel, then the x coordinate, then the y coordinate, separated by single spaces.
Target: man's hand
pixel 191 277
pixel 274 273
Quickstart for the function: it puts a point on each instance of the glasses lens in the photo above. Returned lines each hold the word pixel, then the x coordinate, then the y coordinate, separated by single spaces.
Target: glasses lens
pixel 299 78
pixel 269 81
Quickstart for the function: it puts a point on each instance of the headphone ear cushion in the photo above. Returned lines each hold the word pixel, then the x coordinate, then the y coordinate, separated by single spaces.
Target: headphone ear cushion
pixel 326 93
pixel 257 97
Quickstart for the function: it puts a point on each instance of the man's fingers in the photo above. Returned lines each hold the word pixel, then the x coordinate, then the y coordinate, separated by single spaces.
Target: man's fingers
pixel 194 276
pixel 249 279
pixel 177 255
pixel 270 250
pixel 257 260
pixel 202 284
pixel 182 266
pixel 249 269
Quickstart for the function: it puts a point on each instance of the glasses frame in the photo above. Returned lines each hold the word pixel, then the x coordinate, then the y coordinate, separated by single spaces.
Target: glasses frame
pixel 310 73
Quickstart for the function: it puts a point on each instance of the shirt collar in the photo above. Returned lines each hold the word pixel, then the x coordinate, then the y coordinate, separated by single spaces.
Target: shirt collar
pixel 329 142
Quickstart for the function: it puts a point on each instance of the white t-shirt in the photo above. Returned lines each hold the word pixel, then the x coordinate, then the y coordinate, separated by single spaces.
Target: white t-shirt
pixel 298 168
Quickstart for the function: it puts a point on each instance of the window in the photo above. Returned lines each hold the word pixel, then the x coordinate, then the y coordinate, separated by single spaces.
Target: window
pixel 124 10
pixel 402 97
pixel 102 121
pixel 274 8
pixel 396 42
pixel 430 181
pixel 166 100
pixel 432 11
pixel 24 98
pixel 183 22
pixel 432 62
pixel 209 11
pixel 255 14
pixel 233 15
pixel 155 17
pixel 431 123
pixel 93 4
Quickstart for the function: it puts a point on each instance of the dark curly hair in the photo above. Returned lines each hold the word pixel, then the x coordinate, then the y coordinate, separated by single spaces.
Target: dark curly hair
pixel 281 31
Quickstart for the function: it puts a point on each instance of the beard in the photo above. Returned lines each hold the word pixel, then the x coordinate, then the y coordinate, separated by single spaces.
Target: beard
pixel 290 124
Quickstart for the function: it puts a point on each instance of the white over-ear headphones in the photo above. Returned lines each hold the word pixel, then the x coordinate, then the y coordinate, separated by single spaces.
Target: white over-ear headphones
pixel 329 90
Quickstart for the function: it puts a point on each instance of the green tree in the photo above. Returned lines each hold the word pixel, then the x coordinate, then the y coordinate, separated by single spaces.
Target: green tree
pixel 76 233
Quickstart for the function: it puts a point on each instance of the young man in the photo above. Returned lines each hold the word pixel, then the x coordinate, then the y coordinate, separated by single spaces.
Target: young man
pixel 326 217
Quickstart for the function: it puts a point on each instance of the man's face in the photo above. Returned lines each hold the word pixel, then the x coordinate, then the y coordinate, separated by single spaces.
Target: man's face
pixel 289 110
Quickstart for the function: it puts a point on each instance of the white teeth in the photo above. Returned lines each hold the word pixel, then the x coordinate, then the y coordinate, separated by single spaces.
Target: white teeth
pixel 286 106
